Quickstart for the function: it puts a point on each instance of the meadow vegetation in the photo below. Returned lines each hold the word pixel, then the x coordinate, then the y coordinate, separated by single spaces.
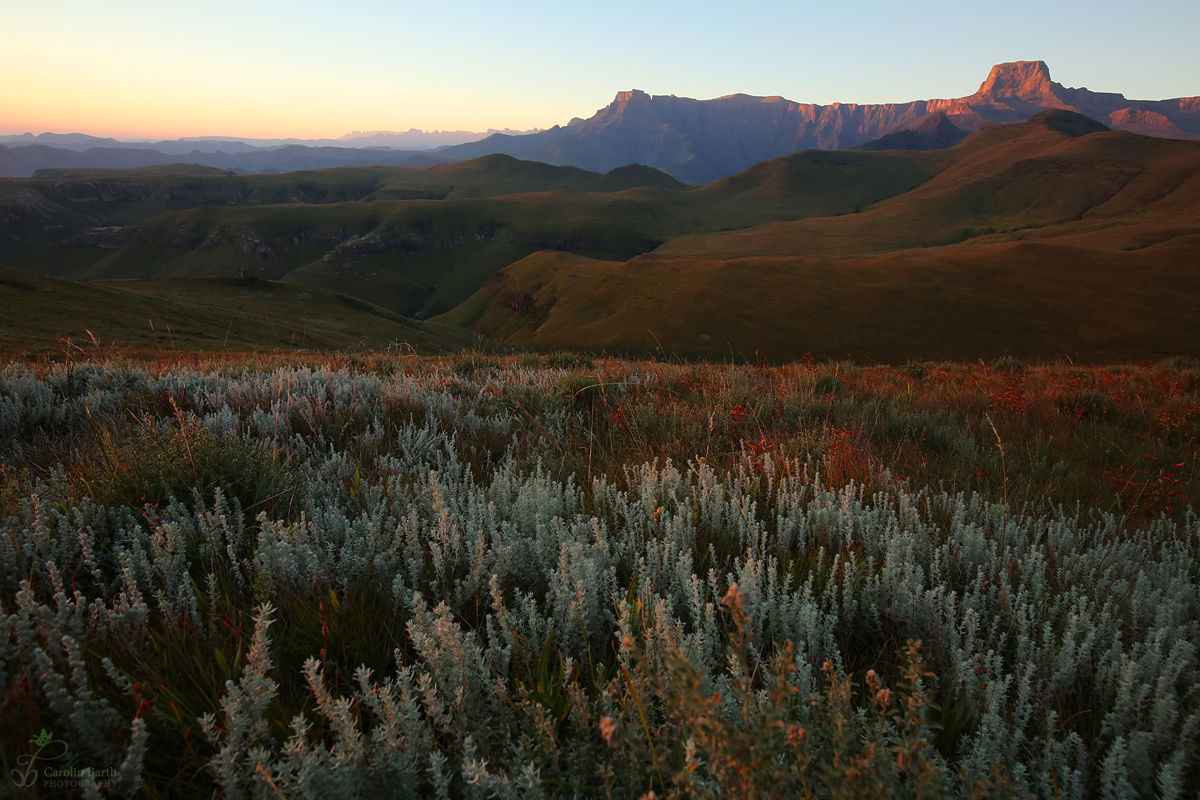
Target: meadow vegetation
pixel 563 575
pixel 44 317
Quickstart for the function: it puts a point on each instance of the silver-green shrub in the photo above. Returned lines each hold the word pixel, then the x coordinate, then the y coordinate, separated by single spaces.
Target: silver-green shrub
pixel 1064 646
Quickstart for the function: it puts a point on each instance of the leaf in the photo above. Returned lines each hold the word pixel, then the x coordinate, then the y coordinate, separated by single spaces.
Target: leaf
pixel 222 663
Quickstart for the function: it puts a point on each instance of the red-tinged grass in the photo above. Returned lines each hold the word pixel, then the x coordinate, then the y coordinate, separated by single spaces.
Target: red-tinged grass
pixel 1115 438
pixel 1120 439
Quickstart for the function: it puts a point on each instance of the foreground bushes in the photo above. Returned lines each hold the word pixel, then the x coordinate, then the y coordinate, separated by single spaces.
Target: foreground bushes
pixel 529 579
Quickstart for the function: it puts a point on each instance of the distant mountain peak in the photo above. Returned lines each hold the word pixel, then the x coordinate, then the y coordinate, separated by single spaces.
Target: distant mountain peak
pixel 376 134
pixel 633 100
pixel 626 106
pixel 1023 79
pixel 632 94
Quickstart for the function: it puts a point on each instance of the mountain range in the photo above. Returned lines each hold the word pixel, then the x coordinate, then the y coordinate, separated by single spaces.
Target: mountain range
pixel 416 139
pixel 698 141
pixel 23 155
pixel 695 141
pixel 27 160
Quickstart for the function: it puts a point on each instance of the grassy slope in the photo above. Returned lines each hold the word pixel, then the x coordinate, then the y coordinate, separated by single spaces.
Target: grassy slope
pixel 1032 300
pixel 38 314
pixel 94 173
pixel 67 201
pixel 424 257
pixel 496 175
pixel 1008 183
pixel 1108 272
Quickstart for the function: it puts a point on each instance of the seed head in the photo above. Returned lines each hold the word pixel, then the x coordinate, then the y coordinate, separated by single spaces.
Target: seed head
pixel 734 599
pixel 610 732
pixel 795 735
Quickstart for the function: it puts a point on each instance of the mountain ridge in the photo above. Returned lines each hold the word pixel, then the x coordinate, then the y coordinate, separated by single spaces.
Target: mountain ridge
pixel 698 141
pixel 411 139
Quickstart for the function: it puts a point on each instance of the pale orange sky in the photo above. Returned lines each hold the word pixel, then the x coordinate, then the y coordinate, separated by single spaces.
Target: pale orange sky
pixel 276 69
pixel 221 101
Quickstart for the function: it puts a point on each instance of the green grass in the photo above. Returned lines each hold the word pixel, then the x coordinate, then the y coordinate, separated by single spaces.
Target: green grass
pixel 440 232
pixel 41 316
pixel 426 256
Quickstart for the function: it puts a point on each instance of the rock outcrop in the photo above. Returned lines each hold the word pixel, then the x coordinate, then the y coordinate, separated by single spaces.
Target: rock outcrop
pixel 1016 91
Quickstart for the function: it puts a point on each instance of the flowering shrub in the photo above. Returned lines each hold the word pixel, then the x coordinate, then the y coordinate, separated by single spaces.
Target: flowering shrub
pixel 524 576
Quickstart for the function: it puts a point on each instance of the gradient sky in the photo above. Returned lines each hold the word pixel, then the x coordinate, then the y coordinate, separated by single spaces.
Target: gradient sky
pixel 168 68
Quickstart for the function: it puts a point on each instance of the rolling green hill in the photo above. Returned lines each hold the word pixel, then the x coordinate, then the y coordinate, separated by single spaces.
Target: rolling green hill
pixel 1032 300
pixel 497 174
pixel 61 203
pixel 43 315
pixel 403 255
pixel 1039 239
pixel 421 256
pixel 1012 182
pixel 854 179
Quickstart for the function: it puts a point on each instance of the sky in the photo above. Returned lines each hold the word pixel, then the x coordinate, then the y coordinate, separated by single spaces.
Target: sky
pixel 273 69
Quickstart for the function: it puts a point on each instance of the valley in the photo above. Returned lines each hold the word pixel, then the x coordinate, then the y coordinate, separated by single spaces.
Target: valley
pixel 1050 238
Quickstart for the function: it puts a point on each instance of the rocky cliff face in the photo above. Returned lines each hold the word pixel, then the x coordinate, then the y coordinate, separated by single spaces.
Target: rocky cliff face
pixel 1016 91
pixel 701 140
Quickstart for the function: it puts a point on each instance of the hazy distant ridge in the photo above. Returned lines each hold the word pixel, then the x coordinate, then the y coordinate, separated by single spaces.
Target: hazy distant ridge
pixel 24 161
pixel 412 139
pixel 21 156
